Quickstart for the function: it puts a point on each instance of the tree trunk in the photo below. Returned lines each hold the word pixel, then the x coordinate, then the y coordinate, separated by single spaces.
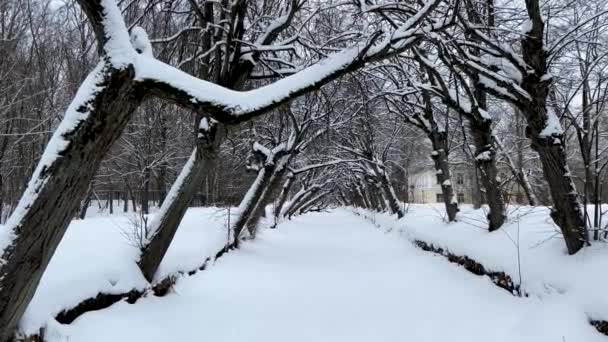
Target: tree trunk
pixel 380 197
pixel 165 224
pixel 1 200
pixel 58 185
pixel 174 207
pixel 145 192
pixel 111 199
pixel 389 193
pixel 301 201
pixel 268 194
pixel 442 171
pixel 481 129
pixel 476 195
pixel 364 202
pixel 283 195
pixel 547 137
pixel 519 174
pixel 567 210
pixel 373 199
pixel 311 202
pixel 125 207
pixel 85 205
pixel 250 201
pixel 485 159
pixel 162 171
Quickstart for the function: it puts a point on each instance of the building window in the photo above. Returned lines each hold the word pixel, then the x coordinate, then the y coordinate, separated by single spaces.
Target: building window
pixel 460 197
pixel 439 198
pixel 459 179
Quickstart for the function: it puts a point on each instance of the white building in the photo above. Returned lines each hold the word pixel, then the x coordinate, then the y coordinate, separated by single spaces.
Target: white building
pixel 423 187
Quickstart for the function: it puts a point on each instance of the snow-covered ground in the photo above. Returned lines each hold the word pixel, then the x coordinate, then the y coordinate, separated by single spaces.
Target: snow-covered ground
pixel 98 254
pixel 329 277
pixel 529 247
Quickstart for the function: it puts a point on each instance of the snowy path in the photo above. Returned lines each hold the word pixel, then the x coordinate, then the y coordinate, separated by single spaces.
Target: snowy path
pixel 332 277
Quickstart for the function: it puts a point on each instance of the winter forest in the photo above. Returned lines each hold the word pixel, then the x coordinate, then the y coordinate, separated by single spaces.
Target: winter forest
pixel 303 170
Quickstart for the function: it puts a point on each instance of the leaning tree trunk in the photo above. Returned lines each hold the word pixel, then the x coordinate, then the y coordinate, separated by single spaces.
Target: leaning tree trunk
pixel 311 202
pixel 371 198
pixel 442 171
pixel 164 226
pixel 485 160
pixel 362 195
pixel 93 122
pixel 547 137
pixel 283 196
pixel 353 198
pixel 389 193
pixel 251 199
pixel 301 201
pixel 296 200
pixel 377 191
pixel 85 205
pixel 567 211
pixel 269 193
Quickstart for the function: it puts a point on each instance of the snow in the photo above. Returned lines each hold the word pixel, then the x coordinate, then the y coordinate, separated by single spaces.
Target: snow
pixel 204 124
pixel 73 116
pixel 548 273
pixel 243 102
pixel 484 114
pixel 257 147
pixel 118 48
pixel 141 42
pixel 333 277
pixel 526 26
pixel 552 126
pixel 97 255
pixel 485 155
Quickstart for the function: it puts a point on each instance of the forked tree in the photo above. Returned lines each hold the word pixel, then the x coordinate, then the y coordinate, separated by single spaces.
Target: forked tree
pixel 103 105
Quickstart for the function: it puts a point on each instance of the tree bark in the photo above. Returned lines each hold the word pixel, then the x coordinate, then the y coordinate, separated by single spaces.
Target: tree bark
pixel 373 198
pixel 301 201
pixel 40 226
pixel 248 203
pixel 175 205
pixel 389 193
pixel 567 210
pixel 111 199
pixel 361 192
pixel 519 174
pixel 381 197
pixel 485 160
pixel 269 193
pixel 547 137
pixel 145 191
pixel 283 195
pixel 85 205
pixel 442 171
pixel 1 199
pixel 311 202
pixel 481 129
